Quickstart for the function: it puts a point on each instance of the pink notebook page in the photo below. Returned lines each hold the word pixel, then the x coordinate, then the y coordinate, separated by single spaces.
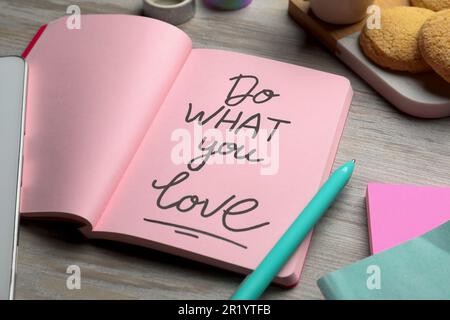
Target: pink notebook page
pixel 315 104
pixel 92 95
pixel 399 213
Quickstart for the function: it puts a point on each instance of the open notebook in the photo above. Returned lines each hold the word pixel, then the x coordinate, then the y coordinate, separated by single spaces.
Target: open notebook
pixel 206 154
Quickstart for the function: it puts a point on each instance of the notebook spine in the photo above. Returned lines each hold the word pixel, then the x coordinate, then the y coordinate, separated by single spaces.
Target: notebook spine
pixel 33 41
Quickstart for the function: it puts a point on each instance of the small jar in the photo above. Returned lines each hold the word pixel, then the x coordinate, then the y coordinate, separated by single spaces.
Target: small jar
pixel 341 11
pixel 227 4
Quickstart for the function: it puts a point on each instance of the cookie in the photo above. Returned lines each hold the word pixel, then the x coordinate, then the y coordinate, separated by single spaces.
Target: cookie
pixel 435 5
pixel 395 44
pixel 434 43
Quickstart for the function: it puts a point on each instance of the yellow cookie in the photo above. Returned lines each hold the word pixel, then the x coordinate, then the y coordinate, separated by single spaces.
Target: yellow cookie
pixel 435 5
pixel 395 44
pixel 434 43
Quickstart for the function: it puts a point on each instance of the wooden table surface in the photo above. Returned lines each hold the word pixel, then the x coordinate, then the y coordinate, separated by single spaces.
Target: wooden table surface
pixel 389 147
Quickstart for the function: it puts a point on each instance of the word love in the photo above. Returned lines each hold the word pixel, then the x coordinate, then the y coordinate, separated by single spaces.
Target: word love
pixel 229 207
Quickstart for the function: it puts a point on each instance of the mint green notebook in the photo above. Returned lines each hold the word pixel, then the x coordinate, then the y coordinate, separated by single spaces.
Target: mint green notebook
pixel 417 269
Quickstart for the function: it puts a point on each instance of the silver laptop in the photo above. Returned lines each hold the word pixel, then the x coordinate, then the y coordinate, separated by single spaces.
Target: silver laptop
pixel 13 75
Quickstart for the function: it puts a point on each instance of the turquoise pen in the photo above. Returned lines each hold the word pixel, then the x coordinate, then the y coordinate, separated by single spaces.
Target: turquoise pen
pixel 255 283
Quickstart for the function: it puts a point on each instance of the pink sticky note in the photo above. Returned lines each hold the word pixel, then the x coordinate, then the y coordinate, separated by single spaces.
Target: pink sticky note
pixel 399 213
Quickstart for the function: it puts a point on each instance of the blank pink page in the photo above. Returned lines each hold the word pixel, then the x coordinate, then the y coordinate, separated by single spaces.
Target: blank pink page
pixel 399 213
pixel 92 95
pixel 315 103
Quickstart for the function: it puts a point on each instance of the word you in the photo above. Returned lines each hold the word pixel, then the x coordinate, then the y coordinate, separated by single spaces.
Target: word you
pixel 199 147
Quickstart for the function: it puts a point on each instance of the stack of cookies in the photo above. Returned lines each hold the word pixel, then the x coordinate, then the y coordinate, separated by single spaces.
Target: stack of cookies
pixel 413 39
